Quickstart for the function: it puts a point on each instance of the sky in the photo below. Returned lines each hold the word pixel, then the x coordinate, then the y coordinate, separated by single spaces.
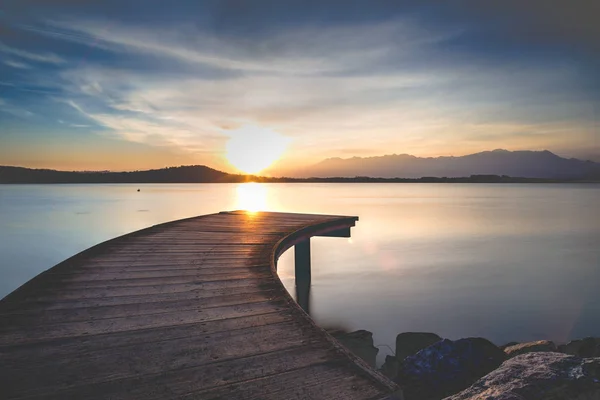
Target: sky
pixel 248 85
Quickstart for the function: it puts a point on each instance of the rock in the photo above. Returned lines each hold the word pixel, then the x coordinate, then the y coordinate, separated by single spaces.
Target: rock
pixel 447 367
pixel 587 347
pixel 529 347
pixel 539 376
pixel 409 343
pixel 361 344
pixel 504 346
pixel 390 367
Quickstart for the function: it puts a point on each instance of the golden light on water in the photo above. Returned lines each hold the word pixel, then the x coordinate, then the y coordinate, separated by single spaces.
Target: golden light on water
pixel 251 197
pixel 252 149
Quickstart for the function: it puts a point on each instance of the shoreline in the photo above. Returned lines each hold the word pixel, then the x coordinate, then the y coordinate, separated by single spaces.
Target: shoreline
pixel 203 174
pixel 324 180
pixel 429 367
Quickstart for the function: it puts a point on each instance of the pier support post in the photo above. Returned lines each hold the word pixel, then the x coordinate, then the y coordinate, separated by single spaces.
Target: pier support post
pixel 302 271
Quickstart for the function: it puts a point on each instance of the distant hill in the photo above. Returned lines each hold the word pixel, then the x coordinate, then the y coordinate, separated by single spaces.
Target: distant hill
pixel 187 174
pixel 498 166
pixel 527 164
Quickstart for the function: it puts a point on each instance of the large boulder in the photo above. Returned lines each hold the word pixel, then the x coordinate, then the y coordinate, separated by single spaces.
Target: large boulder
pixel 360 343
pixel 504 346
pixel 390 367
pixel 530 347
pixel 538 376
pixel 587 347
pixel 409 343
pixel 447 367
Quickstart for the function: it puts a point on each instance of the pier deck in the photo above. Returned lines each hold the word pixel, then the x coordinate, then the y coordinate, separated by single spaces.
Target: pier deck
pixel 189 309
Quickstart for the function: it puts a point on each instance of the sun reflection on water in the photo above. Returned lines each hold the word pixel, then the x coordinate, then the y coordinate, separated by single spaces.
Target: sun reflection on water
pixel 251 197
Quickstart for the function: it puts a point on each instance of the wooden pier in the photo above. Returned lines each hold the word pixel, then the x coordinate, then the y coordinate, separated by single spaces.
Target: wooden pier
pixel 191 309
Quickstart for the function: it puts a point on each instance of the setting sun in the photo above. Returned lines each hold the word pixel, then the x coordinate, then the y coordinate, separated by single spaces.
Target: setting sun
pixel 251 149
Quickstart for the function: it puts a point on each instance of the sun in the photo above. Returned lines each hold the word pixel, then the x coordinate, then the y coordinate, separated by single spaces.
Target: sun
pixel 252 149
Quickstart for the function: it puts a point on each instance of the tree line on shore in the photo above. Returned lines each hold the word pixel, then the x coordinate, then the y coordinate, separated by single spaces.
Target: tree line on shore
pixel 204 174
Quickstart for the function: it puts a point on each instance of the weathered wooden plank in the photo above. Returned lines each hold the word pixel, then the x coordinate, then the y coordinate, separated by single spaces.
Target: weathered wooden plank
pixel 170 264
pixel 51 373
pixel 208 260
pixel 68 293
pixel 56 304
pixel 320 381
pixel 82 344
pixel 126 280
pixel 42 315
pixel 237 247
pixel 117 273
pixel 185 380
pixel 10 334
pixel 189 309
pixel 217 239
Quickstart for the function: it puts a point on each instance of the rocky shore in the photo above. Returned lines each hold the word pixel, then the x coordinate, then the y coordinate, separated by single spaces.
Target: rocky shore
pixel 429 367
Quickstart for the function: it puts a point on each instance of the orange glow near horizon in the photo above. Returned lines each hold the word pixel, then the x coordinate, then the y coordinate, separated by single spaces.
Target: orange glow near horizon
pixel 252 149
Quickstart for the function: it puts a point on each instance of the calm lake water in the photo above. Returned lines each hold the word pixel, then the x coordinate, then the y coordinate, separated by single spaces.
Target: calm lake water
pixel 506 262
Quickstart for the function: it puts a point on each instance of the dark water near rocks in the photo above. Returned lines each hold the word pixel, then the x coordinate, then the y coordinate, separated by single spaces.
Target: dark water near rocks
pixel 506 262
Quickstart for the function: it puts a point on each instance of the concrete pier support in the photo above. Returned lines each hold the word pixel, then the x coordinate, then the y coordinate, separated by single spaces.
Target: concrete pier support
pixel 303 274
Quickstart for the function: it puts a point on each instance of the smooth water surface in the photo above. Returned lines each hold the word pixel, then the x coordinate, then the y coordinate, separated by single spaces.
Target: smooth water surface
pixel 505 262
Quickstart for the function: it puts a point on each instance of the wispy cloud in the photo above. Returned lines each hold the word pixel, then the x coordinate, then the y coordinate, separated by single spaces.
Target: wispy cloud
pixel 298 51
pixel 299 75
pixel 49 58
pixel 398 110
pixel 14 110
pixel 386 86
pixel 16 64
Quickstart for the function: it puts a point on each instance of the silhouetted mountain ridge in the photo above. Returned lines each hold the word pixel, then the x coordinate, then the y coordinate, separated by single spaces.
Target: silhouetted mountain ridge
pixel 497 166
pixel 183 174
pixel 528 164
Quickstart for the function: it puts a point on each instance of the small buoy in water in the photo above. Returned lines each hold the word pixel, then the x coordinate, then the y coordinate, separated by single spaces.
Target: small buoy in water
pixel 138 190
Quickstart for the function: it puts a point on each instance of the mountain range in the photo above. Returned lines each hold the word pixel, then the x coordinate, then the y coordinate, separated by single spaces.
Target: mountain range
pixel 185 174
pixel 487 166
pixel 527 164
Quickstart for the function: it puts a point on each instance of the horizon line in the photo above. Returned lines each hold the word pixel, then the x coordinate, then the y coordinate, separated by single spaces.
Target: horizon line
pixel 297 168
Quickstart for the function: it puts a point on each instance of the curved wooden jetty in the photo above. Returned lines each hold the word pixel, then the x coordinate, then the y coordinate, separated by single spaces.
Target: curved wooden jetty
pixel 189 309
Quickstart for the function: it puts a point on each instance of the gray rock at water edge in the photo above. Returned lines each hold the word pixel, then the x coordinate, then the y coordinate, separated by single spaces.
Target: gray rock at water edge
pixel 447 367
pixel 360 343
pixel 529 347
pixel 538 376
pixel 390 367
pixel 504 346
pixel 587 347
pixel 409 343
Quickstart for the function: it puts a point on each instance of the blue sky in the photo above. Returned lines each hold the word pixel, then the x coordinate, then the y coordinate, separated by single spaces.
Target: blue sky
pixel 143 84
